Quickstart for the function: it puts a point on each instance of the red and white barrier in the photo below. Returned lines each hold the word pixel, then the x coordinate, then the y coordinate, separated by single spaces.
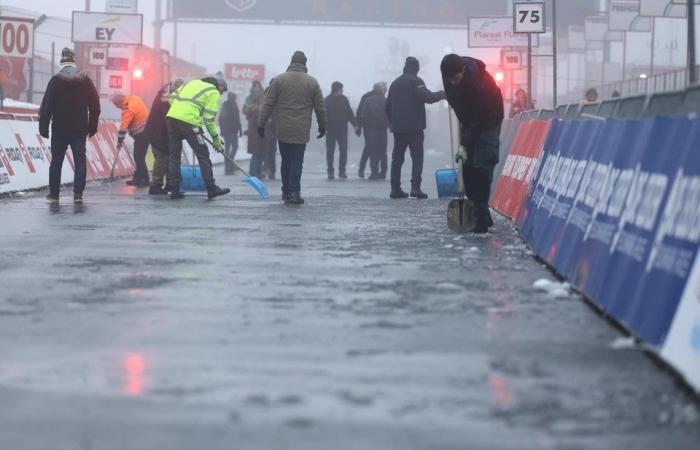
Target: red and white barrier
pixel 25 156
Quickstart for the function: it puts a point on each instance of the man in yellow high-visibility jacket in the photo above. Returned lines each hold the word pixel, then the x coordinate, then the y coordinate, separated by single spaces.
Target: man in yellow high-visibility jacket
pixel 194 104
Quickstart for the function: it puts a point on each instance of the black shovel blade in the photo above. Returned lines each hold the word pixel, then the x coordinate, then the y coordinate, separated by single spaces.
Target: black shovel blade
pixel 460 216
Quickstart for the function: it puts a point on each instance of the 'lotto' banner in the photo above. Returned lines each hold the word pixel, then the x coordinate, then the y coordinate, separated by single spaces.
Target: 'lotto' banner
pixel 519 167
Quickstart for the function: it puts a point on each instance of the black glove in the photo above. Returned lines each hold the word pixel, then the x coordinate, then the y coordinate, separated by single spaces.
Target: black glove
pixel 261 132
pixel 321 132
pixel 44 132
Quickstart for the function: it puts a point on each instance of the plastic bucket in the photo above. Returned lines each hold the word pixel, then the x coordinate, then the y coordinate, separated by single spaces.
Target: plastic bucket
pixel 446 180
pixel 191 179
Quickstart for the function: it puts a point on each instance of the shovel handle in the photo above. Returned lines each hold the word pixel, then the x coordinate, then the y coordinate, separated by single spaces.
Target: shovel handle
pixel 460 179
pixel 227 157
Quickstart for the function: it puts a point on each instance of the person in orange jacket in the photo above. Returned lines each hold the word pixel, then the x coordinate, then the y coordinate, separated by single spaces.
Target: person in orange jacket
pixel 134 118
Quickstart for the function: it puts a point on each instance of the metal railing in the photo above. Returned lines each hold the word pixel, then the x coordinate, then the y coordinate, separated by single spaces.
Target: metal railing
pixel 664 82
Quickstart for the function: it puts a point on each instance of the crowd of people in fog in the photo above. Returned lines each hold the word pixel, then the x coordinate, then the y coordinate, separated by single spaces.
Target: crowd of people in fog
pixel 279 118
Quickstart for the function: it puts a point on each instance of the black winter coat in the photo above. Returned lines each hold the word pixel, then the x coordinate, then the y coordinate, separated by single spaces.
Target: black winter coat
pixel 338 114
pixel 477 101
pixel 230 119
pixel 372 112
pixel 156 126
pixel 405 105
pixel 71 105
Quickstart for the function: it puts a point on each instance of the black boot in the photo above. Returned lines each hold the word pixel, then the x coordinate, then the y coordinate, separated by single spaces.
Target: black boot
pixel 157 190
pixel 417 193
pixel 398 193
pixel 295 199
pixel 177 195
pixel 331 175
pixel 215 191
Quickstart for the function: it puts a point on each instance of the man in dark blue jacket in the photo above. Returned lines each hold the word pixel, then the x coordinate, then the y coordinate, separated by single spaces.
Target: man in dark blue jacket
pixel 405 107
pixel 478 103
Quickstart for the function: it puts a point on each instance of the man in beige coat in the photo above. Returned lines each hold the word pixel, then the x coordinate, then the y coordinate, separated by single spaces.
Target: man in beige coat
pixel 293 96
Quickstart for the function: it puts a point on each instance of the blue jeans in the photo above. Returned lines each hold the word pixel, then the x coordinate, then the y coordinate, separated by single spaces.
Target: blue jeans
pixel 292 166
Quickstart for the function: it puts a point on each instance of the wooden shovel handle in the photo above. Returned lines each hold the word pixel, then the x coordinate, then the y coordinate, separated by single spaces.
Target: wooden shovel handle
pixel 460 179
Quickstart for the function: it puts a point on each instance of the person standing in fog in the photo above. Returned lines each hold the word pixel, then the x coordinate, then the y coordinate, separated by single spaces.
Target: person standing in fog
pixel 521 104
pixel 71 105
pixel 270 143
pixel 371 116
pixel 339 114
pixel 157 130
pixel 293 97
pixel 231 130
pixel 478 103
pixel 256 148
pixel 405 108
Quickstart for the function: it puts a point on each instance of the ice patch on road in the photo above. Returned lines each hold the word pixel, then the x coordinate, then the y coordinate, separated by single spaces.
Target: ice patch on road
pixel 624 343
pixel 553 288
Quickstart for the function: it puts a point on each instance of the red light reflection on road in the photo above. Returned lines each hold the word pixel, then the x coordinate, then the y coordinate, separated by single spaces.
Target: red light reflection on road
pixel 499 385
pixel 134 367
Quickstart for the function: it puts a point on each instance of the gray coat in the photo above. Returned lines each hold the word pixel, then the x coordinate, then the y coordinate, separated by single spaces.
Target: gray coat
pixel 294 96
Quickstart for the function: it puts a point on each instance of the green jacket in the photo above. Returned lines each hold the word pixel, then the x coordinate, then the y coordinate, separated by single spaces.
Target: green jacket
pixel 195 103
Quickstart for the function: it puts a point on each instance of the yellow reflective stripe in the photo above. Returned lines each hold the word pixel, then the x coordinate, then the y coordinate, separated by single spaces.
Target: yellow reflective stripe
pixel 202 92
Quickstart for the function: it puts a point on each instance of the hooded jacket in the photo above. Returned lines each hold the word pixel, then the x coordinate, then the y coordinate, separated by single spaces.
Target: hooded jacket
pixel 372 111
pixel 294 96
pixel 134 116
pixel 71 104
pixel 230 118
pixel 405 105
pixel 156 125
pixel 339 114
pixel 477 101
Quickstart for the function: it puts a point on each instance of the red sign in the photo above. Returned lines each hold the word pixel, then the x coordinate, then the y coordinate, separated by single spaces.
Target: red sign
pixel 520 167
pixel 245 72
pixel 116 82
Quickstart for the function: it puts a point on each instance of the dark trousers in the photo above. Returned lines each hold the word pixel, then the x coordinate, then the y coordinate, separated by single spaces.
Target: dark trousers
pixel 141 142
pixel 256 162
pixel 161 154
pixel 292 166
pixel 376 141
pixel 477 187
pixel 270 164
pixel 177 131
pixel 414 141
pixel 231 148
pixel 364 158
pixel 59 146
pixel 342 140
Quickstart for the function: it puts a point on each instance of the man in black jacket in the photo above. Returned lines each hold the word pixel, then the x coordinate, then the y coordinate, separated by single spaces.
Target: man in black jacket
pixel 405 108
pixel 157 131
pixel 371 115
pixel 478 103
pixel 339 114
pixel 231 130
pixel 72 106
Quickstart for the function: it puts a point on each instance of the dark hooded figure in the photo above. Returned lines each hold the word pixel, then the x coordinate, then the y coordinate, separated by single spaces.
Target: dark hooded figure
pixel 71 105
pixel 371 115
pixel 405 108
pixel 478 103
pixel 338 114
pixel 231 129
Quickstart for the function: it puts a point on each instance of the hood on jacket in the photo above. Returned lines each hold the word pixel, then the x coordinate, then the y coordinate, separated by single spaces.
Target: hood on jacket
pixel 412 66
pixel 474 71
pixel 70 72
pixel 297 67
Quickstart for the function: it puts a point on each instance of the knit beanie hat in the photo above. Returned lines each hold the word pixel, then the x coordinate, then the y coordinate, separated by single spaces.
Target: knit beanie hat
pixel 67 55
pixel 412 65
pixel 299 57
pixel 336 86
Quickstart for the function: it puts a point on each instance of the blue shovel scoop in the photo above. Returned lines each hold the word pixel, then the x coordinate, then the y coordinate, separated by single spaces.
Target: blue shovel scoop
pixel 253 182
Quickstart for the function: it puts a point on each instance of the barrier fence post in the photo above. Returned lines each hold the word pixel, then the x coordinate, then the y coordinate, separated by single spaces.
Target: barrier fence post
pixel 692 74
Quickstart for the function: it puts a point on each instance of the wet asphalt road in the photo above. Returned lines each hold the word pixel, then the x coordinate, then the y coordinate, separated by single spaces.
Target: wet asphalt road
pixel 354 322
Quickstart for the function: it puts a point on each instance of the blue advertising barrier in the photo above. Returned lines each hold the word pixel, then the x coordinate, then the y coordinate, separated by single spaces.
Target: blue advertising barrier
pixel 615 207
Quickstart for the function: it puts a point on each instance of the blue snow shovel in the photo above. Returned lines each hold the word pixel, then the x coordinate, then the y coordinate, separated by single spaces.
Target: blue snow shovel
pixel 446 179
pixel 253 182
pixel 191 179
